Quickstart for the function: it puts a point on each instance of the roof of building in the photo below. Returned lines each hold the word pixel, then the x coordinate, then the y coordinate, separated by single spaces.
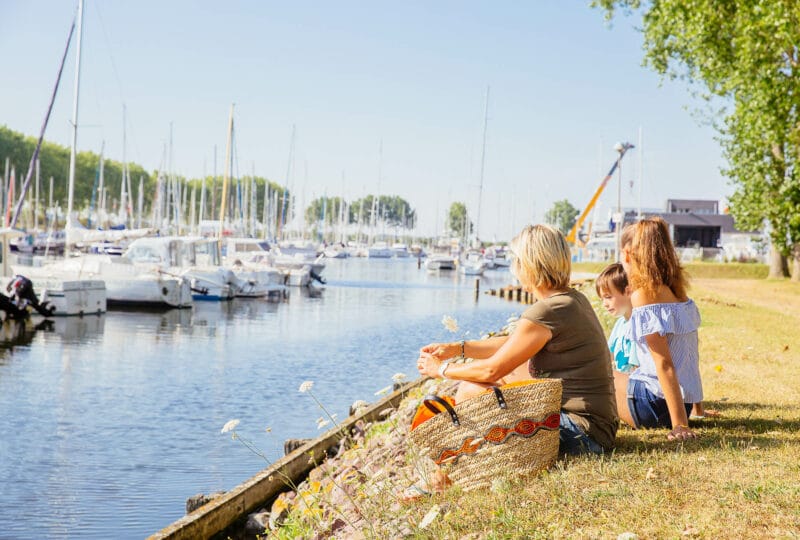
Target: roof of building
pixel 682 219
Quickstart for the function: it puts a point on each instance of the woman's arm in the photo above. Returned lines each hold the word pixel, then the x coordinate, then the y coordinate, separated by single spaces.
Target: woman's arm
pixel 527 340
pixel 478 349
pixel 668 379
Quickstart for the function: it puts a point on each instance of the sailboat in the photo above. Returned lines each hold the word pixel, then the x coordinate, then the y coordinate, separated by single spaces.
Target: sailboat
pixel 68 296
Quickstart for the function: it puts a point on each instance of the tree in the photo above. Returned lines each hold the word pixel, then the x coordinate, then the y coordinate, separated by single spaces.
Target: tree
pixel 744 57
pixel 390 209
pixel 562 215
pixel 458 220
pixel 325 209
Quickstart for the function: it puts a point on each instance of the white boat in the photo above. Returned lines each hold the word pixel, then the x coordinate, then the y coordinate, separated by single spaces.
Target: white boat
pixel 400 250
pixel 74 297
pixel 245 279
pixel 440 259
pixel 336 251
pixel 380 250
pixel 472 264
pixel 69 295
pixel 499 256
pixel 202 264
pixel 250 254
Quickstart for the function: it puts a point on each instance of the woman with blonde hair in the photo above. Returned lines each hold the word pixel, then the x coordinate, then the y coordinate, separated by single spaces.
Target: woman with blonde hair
pixel 664 323
pixel 557 337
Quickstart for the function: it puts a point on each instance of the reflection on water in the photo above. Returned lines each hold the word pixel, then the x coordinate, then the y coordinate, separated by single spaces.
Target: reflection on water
pixel 109 423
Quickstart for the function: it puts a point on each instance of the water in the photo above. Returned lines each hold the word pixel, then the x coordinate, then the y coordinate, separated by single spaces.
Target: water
pixel 110 423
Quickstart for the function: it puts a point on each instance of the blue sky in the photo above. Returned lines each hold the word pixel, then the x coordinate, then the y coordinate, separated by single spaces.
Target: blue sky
pixel 351 76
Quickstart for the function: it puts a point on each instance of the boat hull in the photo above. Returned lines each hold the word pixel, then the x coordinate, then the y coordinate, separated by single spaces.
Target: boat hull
pixel 74 297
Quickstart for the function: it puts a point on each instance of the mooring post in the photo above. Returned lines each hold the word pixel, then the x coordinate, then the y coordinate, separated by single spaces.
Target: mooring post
pixel 477 288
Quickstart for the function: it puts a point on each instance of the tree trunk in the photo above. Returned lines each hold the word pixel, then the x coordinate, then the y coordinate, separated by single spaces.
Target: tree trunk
pixel 796 263
pixel 777 263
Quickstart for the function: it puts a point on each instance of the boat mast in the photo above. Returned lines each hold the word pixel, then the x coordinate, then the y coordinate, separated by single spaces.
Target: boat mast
pixel 483 162
pixel 124 194
pixel 225 177
pixel 140 203
pixel 74 145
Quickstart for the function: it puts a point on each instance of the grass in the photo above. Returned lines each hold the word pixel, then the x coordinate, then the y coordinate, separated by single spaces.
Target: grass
pixel 699 270
pixel 739 479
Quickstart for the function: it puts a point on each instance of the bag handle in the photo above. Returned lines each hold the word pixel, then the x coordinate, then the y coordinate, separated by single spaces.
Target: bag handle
pixel 501 400
pixel 429 401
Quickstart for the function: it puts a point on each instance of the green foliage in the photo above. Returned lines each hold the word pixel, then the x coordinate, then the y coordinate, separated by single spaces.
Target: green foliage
pixel 562 215
pixel 458 220
pixel 325 209
pixel 54 162
pixel 745 54
pixel 390 209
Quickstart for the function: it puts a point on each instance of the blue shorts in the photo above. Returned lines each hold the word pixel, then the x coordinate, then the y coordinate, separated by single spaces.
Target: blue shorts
pixel 647 409
pixel 573 440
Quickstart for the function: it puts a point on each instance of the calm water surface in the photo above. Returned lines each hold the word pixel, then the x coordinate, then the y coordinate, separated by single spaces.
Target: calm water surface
pixel 110 423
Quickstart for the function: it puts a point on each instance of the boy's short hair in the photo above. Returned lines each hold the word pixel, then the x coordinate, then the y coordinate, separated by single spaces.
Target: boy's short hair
pixel 613 277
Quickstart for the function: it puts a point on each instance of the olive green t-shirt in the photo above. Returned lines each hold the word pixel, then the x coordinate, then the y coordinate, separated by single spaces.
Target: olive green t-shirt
pixel 579 356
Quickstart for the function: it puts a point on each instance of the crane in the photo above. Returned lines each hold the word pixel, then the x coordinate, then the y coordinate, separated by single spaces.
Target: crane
pixel 572 237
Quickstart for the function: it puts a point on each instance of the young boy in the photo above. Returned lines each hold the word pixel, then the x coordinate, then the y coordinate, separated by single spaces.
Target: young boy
pixel 612 288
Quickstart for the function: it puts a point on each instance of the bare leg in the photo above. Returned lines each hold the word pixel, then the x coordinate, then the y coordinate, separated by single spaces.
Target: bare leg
pixel 467 389
pixel 698 410
pixel 520 373
pixel 621 391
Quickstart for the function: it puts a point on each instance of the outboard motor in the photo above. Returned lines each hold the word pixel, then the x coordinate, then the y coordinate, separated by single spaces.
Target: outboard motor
pixel 23 295
pixel 316 277
pixel 11 310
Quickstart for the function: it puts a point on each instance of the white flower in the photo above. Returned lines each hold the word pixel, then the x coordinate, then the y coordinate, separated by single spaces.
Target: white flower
pixel 450 323
pixel 399 377
pixel 359 404
pixel 384 390
pixel 306 386
pixel 321 423
pixel 230 425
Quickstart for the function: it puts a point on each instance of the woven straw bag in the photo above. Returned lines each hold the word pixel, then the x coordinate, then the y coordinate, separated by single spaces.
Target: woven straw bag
pixel 510 429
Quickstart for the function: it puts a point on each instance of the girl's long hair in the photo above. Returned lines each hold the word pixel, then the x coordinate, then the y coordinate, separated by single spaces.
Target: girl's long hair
pixel 654 261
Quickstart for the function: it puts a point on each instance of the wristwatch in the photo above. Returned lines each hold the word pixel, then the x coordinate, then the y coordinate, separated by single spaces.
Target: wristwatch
pixel 443 367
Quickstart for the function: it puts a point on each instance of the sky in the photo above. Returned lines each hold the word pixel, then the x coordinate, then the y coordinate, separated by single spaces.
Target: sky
pixel 383 97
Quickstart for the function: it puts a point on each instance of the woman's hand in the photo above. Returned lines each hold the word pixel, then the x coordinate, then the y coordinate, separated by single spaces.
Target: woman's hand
pixel 428 365
pixel 681 433
pixel 442 351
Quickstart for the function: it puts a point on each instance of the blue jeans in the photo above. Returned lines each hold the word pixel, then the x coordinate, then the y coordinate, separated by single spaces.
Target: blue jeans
pixel 647 409
pixel 573 440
